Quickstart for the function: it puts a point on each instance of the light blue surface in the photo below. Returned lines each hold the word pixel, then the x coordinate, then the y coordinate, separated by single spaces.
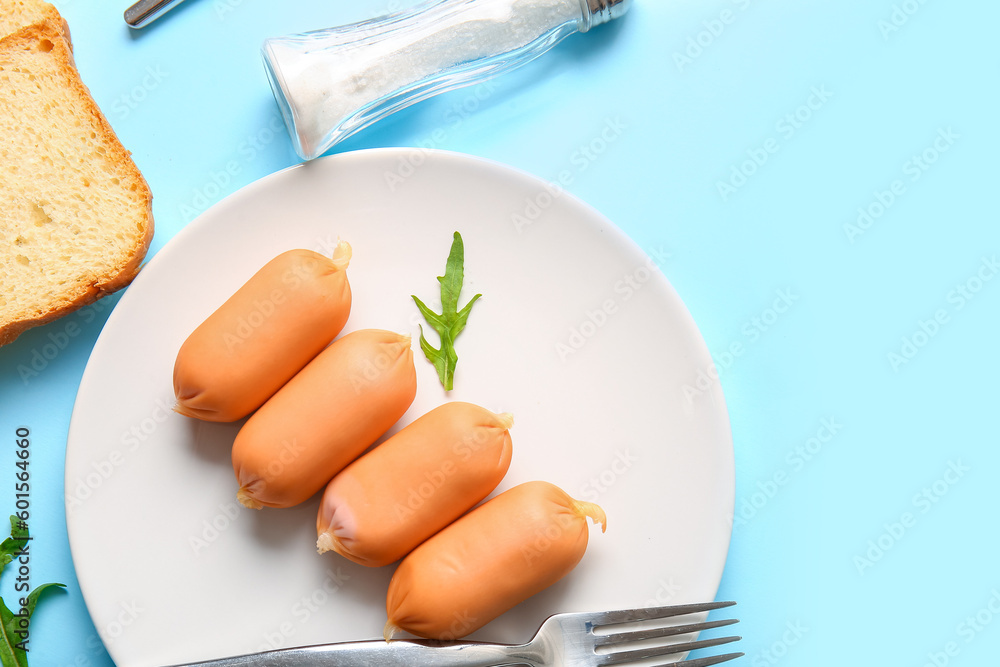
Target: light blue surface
pixel 189 98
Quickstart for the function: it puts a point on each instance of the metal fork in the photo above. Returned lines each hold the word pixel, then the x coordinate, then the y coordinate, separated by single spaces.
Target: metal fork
pixel 566 640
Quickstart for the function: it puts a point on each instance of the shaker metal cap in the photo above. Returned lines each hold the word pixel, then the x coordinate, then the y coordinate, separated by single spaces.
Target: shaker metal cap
pixel 602 11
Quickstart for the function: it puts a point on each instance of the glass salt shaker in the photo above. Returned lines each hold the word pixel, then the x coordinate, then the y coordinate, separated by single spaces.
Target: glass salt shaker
pixel 332 83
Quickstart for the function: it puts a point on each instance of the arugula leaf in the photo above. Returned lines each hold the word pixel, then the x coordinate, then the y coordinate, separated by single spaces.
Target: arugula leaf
pixel 14 627
pixel 12 546
pixel 450 322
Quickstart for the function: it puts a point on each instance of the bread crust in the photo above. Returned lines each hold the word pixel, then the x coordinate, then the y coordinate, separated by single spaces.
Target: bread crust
pixel 83 292
pixel 48 12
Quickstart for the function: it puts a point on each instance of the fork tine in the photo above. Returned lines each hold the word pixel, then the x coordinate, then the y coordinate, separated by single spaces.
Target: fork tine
pixel 650 613
pixel 654 651
pixel 668 631
pixel 703 662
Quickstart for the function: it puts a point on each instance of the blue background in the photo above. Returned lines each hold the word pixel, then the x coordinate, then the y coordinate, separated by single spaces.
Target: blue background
pixel 866 482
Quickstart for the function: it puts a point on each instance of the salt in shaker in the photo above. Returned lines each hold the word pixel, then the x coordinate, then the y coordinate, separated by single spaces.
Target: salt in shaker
pixel 332 83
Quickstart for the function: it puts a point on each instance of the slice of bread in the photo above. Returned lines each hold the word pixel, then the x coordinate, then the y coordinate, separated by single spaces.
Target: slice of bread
pixel 75 213
pixel 16 14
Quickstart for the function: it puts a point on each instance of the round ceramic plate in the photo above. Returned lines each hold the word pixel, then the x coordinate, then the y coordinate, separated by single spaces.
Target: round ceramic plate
pixel 577 334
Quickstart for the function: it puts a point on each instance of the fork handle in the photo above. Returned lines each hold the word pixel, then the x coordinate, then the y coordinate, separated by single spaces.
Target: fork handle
pixel 378 653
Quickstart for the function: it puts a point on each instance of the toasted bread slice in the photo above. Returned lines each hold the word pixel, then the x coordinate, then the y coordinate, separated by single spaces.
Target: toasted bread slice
pixel 17 14
pixel 75 213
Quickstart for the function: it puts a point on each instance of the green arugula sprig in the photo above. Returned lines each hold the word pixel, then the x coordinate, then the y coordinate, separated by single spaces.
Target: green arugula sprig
pixel 14 627
pixel 451 321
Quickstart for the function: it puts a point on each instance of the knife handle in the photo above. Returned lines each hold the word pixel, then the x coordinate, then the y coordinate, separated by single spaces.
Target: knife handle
pixel 144 12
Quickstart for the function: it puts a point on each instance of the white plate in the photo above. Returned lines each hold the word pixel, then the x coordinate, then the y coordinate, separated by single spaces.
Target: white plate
pixel 575 335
